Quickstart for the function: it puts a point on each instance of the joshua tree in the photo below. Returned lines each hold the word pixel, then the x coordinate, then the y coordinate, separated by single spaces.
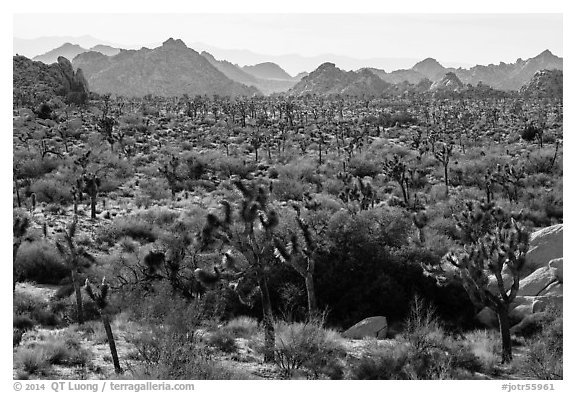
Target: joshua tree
pixel 532 131
pixel 250 234
pixel 99 296
pixel 169 171
pixel 420 220
pixel 301 257
pixel 75 258
pixel 106 127
pixel 33 202
pixel 396 170
pixel 511 179
pixel 19 229
pixel 357 193
pixel 443 156
pixel 495 247
pixel 89 184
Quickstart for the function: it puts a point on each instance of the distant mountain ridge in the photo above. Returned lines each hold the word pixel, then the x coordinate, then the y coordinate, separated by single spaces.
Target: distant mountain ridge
pixel 267 82
pixel 70 51
pixel 172 69
pixel 502 76
pixel 267 70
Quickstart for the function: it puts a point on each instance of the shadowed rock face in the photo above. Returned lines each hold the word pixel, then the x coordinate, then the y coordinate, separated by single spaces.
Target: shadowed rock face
pixel 39 79
pixel 373 327
pixel 72 81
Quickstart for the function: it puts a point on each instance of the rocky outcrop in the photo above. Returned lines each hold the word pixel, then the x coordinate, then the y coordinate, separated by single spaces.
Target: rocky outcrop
pixel 35 82
pixel 73 81
pixel 449 82
pixel 329 79
pixel 545 245
pixel 375 327
pixel 544 84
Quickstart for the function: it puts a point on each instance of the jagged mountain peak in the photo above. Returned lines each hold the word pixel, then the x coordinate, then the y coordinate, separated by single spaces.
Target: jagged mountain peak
pixel 208 55
pixel 172 43
pixel 546 53
pixel 430 68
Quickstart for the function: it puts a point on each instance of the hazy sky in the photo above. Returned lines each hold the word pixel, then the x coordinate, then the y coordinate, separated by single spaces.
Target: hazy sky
pixel 465 38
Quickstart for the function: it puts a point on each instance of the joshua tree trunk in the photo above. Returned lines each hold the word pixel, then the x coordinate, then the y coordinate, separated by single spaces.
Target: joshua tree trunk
pixel 504 322
pixel 446 177
pixel 78 292
pixel 20 202
pixel 269 336
pixel 15 277
pixel 404 194
pixel 93 206
pixel 111 342
pixel 309 279
pixel 421 235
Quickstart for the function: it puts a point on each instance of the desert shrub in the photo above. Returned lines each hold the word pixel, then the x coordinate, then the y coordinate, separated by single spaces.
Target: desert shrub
pixel 286 189
pixel 229 166
pixel 51 191
pixel 160 216
pixel 40 262
pixel 167 354
pixel 222 340
pixel 32 361
pixel 544 358
pixel 156 189
pixel 302 170
pixel 195 166
pixel 134 227
pixel 45 317
pixel 306 344
pixel 485 345
pixel 423 352
pixel 362 166
pixel 23 322
pixel 244 327
pixel 25 303
pixel 17 336
pixel 382 364
pixel 33 167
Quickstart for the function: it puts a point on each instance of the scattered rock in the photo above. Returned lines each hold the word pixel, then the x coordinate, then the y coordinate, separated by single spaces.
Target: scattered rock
pixel 557 264
pixel 536 282
pixel 545 245
pixel 370 327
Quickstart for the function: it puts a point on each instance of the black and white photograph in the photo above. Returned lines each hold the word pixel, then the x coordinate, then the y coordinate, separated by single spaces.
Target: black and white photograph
pixel 286 195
